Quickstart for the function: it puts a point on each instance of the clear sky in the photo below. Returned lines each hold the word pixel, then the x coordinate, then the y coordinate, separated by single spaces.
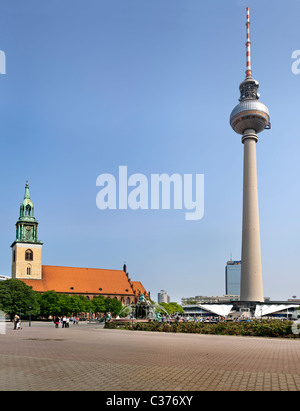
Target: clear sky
pixel 92 85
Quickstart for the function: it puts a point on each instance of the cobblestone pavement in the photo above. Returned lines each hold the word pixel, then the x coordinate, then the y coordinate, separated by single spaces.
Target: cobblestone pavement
pixel 86 357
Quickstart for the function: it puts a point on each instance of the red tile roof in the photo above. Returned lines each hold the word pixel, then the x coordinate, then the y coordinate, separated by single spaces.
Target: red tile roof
pixel 139 288
pixel 83 281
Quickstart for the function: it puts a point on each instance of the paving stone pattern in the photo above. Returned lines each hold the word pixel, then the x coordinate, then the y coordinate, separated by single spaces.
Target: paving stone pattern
pixel 86 357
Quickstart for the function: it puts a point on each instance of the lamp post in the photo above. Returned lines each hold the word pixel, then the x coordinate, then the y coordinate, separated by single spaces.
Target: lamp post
pixel 30 315
pixel 132 308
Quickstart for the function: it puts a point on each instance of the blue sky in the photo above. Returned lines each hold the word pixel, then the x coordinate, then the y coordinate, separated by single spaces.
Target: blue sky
pixel 149 84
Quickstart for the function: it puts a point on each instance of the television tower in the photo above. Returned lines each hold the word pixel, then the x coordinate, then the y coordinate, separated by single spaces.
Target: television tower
pixel 249 118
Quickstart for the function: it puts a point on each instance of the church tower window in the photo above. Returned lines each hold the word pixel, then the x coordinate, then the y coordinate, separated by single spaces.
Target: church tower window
pixel 28 255
pixel 28 210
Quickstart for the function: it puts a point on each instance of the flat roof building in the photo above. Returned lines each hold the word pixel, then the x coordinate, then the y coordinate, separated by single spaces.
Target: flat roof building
pixel 233 277
pixel 163 297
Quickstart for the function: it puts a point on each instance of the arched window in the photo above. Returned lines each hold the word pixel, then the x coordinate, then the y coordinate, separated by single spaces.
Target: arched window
pixel 28 255
pixel 28 210
pixel 28 270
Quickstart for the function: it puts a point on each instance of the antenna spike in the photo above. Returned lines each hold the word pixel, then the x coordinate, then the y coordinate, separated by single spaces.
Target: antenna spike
pixel 248 51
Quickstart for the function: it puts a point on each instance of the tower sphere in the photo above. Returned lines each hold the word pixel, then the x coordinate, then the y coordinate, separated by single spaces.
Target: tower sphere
pixel 249 114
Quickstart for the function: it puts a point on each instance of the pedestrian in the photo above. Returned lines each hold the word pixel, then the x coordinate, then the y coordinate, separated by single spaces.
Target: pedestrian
pixel 64 321
pixel 18 325
pixel 56 321
pixel 15 321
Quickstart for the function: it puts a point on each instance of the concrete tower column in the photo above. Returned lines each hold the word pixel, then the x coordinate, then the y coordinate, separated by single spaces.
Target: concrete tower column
pixel 251 272
pixel 249 118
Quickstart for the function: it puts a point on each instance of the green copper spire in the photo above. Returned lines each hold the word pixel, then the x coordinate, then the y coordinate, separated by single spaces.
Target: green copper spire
pixel 27 207
pixel 27 194
pixel 26 226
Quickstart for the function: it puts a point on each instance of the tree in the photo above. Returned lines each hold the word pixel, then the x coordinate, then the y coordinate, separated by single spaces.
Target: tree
pixel 49 303
pixel 79 304
pixel 53 303
pixel 65 304
pixel 98 304
pixel 113 305
pixel 16 297
pixel 172 308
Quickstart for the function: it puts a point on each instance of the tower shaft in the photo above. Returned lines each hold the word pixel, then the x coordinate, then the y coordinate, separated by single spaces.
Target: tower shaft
pixel 249 118
pixel 251 272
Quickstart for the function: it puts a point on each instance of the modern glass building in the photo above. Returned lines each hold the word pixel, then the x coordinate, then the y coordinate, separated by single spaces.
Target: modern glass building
pixel 233 277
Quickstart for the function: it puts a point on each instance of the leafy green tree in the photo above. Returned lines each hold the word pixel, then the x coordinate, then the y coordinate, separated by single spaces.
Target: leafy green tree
pixel 53 303
pixel 79 304
pixel 172 307
pixel 16 297
pixel 98 304
pixel 113 306
pixel 65 304
pixel 49 303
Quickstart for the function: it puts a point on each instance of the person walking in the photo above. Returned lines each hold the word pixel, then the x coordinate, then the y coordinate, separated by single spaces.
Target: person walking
pixel 16 317
pixel 56 321
pixel 18 325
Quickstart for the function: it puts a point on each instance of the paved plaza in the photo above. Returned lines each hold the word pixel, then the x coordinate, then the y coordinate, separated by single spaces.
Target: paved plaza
pixel 87 357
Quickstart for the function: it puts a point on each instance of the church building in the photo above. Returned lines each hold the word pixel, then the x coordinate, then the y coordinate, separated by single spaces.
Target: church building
pixel 89 282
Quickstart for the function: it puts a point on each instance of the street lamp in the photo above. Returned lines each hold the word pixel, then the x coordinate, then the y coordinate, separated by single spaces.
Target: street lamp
pixel 132 308
pixel 30 315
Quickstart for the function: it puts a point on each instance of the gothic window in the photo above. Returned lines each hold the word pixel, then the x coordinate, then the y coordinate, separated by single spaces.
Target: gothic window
pixel 28 255
pixel 28 270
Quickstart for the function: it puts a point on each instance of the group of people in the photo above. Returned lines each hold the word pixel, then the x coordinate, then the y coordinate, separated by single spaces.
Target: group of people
pixel 65 321
pixel 17 322
pixel 183 319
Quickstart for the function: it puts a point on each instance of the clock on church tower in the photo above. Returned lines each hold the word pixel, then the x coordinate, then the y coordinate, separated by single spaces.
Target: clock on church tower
pixel 27 249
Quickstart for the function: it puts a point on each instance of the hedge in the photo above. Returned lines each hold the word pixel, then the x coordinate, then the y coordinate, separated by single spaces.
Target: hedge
pixel 258 328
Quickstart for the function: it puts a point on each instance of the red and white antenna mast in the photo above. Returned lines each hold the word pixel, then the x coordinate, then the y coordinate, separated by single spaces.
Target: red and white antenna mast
pixel 248 51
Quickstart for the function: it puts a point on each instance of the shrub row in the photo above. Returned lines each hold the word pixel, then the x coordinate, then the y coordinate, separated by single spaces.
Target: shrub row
pixel 264 328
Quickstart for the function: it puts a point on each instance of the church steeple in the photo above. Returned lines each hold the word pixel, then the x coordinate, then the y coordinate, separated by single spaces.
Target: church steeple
pixel 27 207
pixel 27 195
pixel 26 262
pixel 26 226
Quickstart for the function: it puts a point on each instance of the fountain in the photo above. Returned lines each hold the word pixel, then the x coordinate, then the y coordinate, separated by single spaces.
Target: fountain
pixel 143 310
